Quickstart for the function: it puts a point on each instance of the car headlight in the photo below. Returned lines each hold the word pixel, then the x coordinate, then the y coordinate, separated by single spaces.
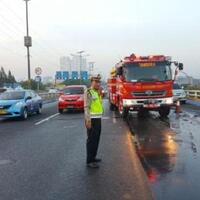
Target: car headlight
pixel 18 104
pixel 61 99
pixel 80 99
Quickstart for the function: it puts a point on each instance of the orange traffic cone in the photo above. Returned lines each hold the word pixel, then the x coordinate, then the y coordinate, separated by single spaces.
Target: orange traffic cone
pixel 178 107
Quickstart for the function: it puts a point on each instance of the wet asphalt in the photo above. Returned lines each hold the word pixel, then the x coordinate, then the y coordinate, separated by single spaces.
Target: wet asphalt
pixel 169 150
pixel 46 159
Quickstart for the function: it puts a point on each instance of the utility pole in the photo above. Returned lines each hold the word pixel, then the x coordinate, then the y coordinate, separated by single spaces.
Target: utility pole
pixel 28 42
pixel 91 68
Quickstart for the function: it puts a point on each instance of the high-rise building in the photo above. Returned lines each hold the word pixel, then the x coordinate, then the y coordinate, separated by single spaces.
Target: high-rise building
pixel 75 64
pixel 78 62
pixel 65 63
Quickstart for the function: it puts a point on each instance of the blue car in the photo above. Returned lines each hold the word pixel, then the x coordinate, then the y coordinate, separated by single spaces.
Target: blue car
pixel 19 104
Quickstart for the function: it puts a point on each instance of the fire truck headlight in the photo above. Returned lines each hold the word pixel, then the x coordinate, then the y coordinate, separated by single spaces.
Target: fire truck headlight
pixel 127 102
pixel 169 101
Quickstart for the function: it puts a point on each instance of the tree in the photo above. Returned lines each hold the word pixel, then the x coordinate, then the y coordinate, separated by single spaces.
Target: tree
pixel 11 78
pixel 77 82
pixel 3 75
pixel 4 78
pixel 32 85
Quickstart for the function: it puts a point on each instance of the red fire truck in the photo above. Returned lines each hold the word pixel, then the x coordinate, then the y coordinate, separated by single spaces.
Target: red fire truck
pixel 140 83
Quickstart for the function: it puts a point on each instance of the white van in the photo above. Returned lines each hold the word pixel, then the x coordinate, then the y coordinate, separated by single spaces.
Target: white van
pixel 179 93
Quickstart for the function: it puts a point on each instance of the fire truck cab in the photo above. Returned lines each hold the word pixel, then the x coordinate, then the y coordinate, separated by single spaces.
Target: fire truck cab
pixel 142 83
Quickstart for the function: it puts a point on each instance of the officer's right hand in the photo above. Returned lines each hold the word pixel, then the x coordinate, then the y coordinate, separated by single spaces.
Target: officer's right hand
pixel 88 124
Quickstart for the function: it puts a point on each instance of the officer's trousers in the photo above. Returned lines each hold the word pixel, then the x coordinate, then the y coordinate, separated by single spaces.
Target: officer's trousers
pixel 93 137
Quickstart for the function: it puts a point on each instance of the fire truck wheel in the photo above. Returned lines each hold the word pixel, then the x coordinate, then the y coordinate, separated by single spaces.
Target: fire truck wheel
pixel 124 113
pixel 112 107
pixel 143 113
pixel 164 112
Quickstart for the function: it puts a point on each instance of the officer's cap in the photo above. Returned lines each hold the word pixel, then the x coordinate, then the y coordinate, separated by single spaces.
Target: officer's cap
pixel 96 78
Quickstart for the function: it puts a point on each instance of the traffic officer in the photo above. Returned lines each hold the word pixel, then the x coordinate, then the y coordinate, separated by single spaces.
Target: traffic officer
pixel 93 114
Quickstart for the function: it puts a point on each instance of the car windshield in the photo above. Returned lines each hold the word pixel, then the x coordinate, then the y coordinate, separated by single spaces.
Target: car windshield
pixel 74 90
pixel 176 87
pixel 12 95
pixel 156 72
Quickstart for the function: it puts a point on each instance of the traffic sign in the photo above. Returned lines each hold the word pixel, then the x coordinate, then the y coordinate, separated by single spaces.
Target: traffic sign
pixel 27 41
pixel 38 71
pixel 74 75
pixel 65 75
pixel 38 79
pixel 58 75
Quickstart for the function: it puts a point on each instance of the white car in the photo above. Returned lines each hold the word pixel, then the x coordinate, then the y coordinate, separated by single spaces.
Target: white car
pixel 179 93
pixel 5 89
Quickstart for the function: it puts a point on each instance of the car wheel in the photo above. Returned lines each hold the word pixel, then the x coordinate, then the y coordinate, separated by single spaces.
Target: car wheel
pixel 183 102
pixel 25 114
pixel 60 111
pixel 39 111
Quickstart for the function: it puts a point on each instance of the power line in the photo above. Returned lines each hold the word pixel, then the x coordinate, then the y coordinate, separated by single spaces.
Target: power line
pixel 20 30
pixel 17 30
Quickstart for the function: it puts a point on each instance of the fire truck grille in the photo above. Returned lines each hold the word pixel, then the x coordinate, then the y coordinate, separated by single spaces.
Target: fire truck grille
pixel 150 94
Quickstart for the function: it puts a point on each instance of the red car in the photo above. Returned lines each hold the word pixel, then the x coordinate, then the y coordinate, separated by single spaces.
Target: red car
pixel 72 98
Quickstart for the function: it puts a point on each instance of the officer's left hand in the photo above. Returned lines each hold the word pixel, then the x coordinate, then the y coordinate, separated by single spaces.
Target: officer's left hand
pixel 88 124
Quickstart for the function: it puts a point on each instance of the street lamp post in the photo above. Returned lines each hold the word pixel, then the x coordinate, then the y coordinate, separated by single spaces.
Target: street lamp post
pixel 28 41
pixel 81 56
pixel 80 68
pixel 91 68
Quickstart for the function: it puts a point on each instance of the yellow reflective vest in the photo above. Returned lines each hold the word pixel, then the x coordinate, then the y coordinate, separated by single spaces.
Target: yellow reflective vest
pixel 96 106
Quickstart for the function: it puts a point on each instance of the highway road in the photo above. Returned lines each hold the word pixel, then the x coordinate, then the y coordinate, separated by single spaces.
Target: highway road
pixel 44 157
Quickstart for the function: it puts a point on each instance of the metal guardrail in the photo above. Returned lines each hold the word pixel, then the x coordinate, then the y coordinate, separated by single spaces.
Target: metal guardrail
pixel 193 93
pixel 49 96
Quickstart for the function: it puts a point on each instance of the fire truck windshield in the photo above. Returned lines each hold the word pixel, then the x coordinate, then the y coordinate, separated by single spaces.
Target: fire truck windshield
pixel 136 73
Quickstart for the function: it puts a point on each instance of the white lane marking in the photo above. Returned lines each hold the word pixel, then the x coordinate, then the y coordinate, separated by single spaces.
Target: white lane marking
pixel 72 126
pixel 105 117
pixel 46 119
pixel 5 162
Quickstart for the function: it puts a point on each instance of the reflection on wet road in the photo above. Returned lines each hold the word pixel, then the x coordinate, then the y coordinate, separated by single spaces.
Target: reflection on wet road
pixel 169 152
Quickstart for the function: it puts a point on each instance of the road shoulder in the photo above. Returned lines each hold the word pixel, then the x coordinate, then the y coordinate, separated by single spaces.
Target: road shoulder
pixel 122 171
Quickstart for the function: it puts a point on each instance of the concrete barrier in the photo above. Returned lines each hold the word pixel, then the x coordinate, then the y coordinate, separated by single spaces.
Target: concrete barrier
pixel 48 97
pixel 193 94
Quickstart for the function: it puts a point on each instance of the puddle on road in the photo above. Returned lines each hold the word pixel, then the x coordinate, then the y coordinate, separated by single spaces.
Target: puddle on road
pixel 168 150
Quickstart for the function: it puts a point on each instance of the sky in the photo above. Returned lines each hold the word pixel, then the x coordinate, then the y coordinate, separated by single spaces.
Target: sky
pixel 107 30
